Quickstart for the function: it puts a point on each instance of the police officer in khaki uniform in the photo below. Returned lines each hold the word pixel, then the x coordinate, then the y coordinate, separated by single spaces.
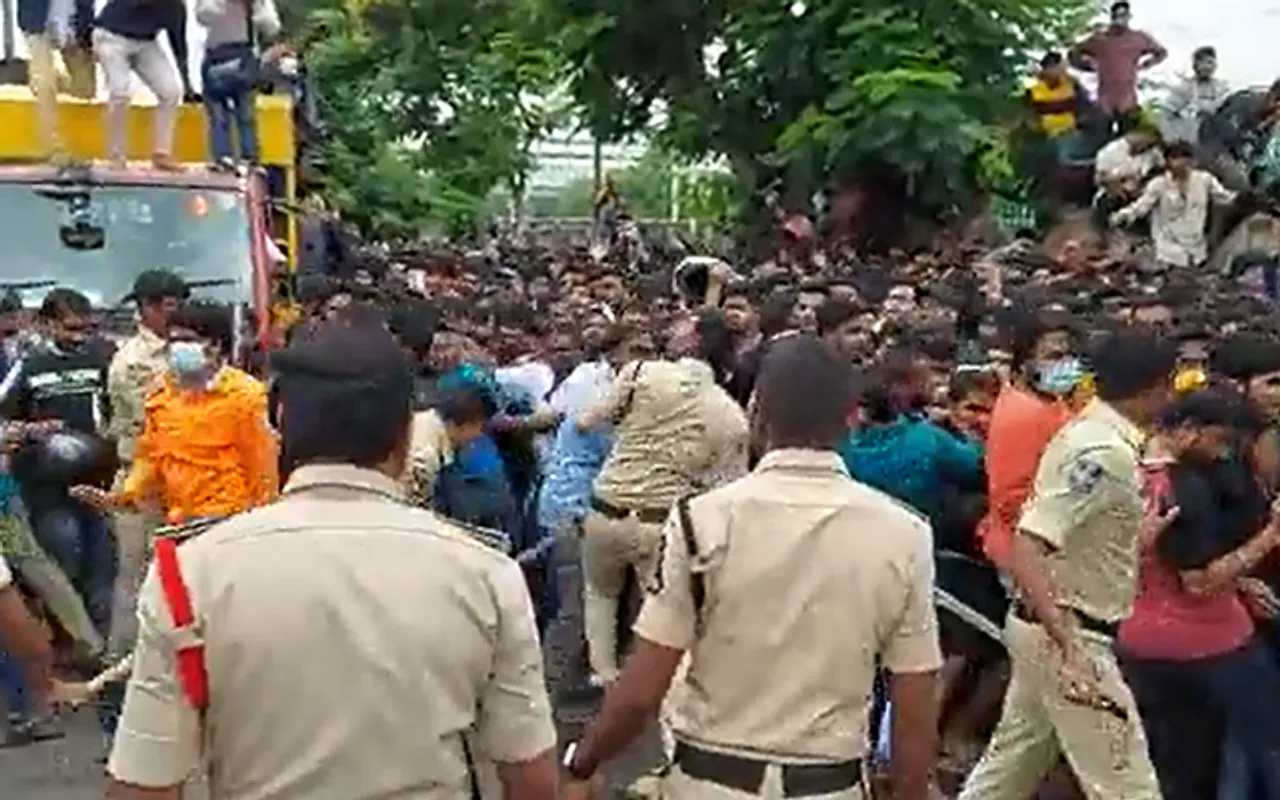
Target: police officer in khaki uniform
pixel 672 423
pixel 1074 564
pixel 786 588
pixel 135 370
pixel 355 647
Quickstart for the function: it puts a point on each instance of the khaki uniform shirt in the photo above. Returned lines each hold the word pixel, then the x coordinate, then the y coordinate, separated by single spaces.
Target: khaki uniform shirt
pixel 1086 504
pixel 810 579
pixel 351 642
pixel 135 371
pixel 665 432
pixel 429 450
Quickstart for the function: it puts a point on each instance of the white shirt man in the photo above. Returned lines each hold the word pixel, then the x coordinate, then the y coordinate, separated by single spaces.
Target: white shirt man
pixel 1178 202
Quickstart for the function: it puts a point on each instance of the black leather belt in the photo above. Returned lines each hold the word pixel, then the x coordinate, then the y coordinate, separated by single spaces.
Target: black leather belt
pixel 747 774
pixel 652 516
pixel 1092 624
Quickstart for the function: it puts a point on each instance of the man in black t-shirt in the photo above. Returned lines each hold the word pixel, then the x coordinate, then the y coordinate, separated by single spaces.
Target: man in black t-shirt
pixel 64 378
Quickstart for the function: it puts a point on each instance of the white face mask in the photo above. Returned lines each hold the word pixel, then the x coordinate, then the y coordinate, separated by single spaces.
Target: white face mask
pixel 187 358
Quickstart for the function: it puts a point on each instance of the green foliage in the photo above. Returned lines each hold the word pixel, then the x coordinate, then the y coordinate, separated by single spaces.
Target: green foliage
pixel 652 189
pixel 843 89
pixel 428 105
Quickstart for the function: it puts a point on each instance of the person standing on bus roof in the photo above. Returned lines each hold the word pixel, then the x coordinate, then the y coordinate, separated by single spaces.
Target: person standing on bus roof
pixel 126 40
pixel 62 25
pixel 229 72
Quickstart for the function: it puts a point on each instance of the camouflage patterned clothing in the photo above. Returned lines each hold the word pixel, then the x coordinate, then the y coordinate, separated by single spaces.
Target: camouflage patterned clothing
pixel 135 371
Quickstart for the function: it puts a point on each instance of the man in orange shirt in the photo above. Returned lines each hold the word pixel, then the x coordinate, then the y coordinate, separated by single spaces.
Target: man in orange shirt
pixel 1030 409
pixel 206 449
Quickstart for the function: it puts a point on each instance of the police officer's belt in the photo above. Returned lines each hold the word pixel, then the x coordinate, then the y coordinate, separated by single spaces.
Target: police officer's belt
pixel 648 515
pixel 1091 624
pixel 747 774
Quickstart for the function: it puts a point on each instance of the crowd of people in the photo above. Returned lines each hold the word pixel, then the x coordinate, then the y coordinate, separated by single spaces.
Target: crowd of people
pixel 1017 506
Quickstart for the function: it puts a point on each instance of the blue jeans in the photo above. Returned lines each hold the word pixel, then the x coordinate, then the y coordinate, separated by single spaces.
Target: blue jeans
pixel 77 538
pixel 13 686
pixel 1190 707
pixel 227 76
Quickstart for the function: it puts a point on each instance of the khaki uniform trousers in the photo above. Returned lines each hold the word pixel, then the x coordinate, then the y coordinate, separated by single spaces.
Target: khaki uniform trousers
pixel 134 531
pixel 609 547
pixel 1107 754
pixel 80 80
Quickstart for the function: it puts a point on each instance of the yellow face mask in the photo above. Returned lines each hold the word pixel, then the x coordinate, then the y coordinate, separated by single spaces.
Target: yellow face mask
pixel 1084 390
pixel 1189 380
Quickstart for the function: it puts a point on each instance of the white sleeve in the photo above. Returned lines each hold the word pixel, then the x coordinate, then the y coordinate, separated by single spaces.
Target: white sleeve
pixel 266 18
pixel 6 577
pixel 1108 161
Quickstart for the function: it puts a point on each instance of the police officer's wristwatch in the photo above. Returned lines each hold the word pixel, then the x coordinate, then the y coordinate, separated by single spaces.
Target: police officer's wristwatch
pixel 574 768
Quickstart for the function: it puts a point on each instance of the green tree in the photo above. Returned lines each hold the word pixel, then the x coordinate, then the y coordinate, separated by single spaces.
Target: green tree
pixel 428 105
pixel 652 189
pixel 828 91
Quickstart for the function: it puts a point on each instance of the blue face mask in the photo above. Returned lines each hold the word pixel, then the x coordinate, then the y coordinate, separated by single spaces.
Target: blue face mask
pixel 187 358
pixel 1059 377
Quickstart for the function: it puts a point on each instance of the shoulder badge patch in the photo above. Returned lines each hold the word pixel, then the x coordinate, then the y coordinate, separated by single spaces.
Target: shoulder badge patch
pixel 1084 475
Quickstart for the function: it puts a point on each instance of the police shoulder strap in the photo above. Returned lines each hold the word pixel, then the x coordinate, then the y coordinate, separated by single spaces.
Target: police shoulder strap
pixel 625 408
pixel 697 582
pixel 192 675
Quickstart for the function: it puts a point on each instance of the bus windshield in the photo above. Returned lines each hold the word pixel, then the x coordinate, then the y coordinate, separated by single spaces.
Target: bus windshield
pixel 202 234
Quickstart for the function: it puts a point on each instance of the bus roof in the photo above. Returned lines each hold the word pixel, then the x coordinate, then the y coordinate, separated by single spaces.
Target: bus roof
pixel 133 174
pixel 82 125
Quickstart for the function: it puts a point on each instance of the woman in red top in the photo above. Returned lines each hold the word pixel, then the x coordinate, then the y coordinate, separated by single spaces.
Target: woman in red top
pixel 1188 650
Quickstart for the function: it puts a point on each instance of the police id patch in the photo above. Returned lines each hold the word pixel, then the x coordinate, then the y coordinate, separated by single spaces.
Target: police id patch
pixel 1084 475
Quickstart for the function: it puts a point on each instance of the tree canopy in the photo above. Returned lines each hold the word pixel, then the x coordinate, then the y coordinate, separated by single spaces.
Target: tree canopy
pixel 432 104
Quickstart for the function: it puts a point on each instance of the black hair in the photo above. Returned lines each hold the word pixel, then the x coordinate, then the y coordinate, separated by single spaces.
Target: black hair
pixel 883 400
pixel 1131 362
pixel 62 302
pixel 717 344
pixel 834 313
pixel 1246 355
pixel 346 395
pixel 214 322
pixel 1179 149
pixel 1206 51
pixel 804 393
pixel 415 324
pixel 1214 406
pixel 1024 328
pixel 1121 5
pixel 775 313
pixel 1051 59
pixel 973 380
pixel 464 405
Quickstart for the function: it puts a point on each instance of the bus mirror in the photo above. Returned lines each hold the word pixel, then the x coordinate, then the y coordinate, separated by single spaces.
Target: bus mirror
pixel 81 235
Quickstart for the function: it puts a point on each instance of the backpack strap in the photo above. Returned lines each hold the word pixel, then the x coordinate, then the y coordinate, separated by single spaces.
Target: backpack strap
pixel 192 675
pixel 697 583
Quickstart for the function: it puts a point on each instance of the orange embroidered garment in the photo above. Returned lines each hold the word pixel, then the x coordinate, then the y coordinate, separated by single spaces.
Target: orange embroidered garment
pixel 205 453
